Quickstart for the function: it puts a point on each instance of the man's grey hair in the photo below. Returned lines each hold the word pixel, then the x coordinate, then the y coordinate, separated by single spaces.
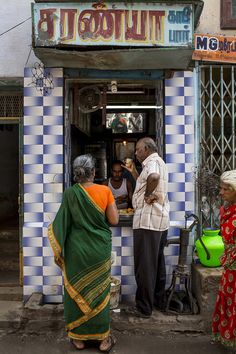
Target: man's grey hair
pixel 150 144
pixel 83 168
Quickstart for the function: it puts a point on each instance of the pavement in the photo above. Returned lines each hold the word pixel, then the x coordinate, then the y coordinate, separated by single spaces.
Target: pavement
pixel 36 317
pixel 35 328
pixel 127 343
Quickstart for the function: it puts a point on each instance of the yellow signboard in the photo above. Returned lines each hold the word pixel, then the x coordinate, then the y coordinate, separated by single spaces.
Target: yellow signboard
pixel 115 24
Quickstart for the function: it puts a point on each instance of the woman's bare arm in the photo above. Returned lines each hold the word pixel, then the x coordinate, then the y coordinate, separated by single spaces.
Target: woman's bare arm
pixel 112 214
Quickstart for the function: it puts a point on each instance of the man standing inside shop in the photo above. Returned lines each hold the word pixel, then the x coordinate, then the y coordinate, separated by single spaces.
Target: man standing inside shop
pixel 150 225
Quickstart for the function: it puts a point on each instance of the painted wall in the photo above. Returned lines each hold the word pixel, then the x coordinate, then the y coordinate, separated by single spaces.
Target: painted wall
pixel 210 19
pixel 16 43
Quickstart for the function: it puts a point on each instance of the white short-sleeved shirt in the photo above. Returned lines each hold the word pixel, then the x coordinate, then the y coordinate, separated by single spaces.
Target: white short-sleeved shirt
pixel 152 216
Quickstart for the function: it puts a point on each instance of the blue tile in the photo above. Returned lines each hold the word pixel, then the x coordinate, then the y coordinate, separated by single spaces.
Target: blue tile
pixel 127 241
pixel 189 120
pixel 116 270
pixel 32 280
pixel 117 250
pixel 189 139
pixel 188 81
pixel 189 158
pixel 116 231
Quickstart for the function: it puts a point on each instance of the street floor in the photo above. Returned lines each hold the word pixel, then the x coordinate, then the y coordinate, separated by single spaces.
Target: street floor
pixel 127 343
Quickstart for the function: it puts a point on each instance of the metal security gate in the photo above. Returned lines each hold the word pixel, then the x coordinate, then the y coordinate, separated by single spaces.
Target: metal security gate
pixel 216 135
pixel 160 134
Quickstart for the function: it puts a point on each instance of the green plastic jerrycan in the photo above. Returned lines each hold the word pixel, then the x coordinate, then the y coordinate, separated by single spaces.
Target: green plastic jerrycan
pixel 210 248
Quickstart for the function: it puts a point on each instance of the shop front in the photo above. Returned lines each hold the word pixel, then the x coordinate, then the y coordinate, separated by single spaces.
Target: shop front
pixel 110 74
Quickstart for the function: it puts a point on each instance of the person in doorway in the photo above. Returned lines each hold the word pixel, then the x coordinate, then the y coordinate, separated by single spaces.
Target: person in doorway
pixel 135 122
pixel 119 123
pixel 224 316
pixel 81 241
pixel 150 227
pixel 121 187
pixel 128 162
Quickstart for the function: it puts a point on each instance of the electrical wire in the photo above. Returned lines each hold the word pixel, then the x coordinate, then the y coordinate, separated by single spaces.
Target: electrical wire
pixel 28 56
pixel 10 29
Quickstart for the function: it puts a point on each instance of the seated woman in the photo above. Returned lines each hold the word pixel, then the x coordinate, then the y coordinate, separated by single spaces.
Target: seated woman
pixel 121 187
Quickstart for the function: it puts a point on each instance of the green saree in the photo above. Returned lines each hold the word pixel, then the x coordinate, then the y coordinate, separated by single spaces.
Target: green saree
pixel 81 241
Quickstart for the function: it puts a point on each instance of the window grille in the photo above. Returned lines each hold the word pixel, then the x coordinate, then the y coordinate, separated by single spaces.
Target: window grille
pixel 11 105
pixel 159 119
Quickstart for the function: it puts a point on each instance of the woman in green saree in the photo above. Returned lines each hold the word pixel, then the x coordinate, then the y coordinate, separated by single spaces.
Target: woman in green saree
pixel 81 241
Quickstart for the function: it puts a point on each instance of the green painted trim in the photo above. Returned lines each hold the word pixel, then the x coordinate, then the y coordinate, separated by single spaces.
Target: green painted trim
pixel 118 74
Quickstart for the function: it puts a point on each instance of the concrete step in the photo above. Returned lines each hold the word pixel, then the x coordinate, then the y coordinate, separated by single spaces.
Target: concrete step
pixel 10 247
pixel 9 234
pixel 9 278
pixel 9 262
pixel 11 315
pixel 11 293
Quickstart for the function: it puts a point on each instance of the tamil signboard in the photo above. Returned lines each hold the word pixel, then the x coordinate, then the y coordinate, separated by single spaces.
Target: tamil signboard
pixel 215 48
pixel 112 24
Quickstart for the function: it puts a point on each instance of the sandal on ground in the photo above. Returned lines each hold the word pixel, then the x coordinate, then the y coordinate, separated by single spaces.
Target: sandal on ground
pixel 78 344
pixel 110 341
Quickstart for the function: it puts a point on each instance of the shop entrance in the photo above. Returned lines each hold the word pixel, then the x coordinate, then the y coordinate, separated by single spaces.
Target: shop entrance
pixel 9 192
pixel 11 111
pixel 107 117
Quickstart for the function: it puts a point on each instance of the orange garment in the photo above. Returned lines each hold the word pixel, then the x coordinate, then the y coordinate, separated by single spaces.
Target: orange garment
pixel 100 194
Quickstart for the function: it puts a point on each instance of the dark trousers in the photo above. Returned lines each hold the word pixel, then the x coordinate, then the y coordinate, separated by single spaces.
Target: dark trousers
pixel 149 268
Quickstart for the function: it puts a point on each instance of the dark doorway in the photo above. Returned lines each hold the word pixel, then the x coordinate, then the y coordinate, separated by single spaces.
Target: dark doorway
pixel 9 215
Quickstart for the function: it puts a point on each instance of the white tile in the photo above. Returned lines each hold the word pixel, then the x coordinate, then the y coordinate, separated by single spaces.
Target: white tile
pixel 29 289
pixel 116 241
pixel 49 217
pixel 189 129
pixel 189 91
pixel 127 251
pixel 127 270
pixel 127 231
pixel 55 271
pixel 47 251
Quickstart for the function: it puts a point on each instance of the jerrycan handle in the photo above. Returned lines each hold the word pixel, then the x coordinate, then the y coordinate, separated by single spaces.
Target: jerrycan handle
pixel 205 248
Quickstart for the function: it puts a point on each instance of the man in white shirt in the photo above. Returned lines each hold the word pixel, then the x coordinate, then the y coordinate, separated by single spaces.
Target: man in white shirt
pixel 121 187
pixel 150 226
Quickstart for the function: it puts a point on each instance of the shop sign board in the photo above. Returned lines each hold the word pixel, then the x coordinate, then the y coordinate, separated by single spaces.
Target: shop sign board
pixel 112 24
pixel 215 48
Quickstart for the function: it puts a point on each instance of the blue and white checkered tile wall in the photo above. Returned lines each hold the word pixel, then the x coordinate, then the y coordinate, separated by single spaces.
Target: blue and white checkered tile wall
pixel 179 129
pixel 43 183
